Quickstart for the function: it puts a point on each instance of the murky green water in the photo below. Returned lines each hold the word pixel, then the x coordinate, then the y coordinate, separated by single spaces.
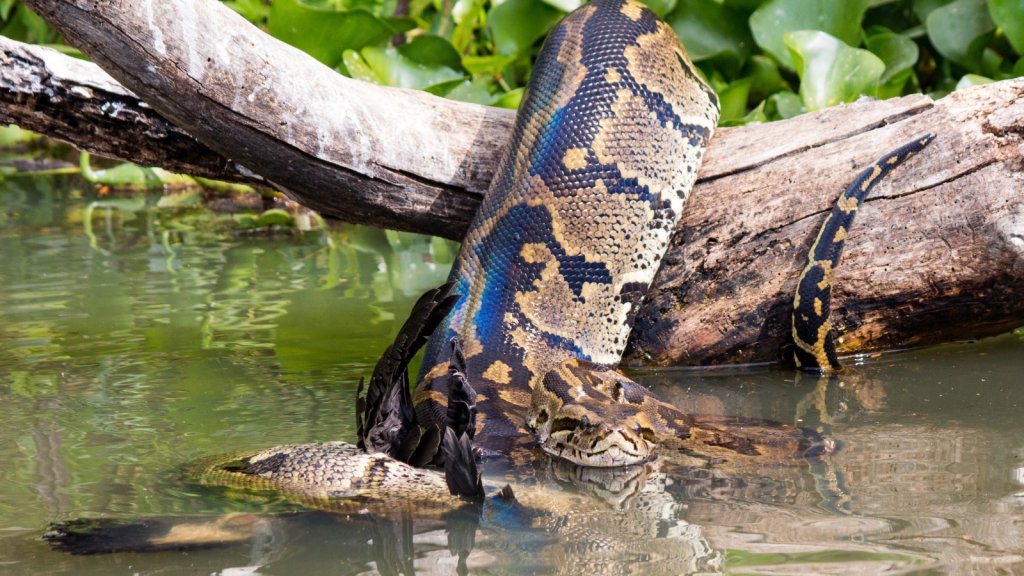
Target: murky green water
pixel 134 339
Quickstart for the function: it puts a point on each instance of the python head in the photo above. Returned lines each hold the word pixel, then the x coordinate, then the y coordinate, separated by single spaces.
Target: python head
pixel 600 434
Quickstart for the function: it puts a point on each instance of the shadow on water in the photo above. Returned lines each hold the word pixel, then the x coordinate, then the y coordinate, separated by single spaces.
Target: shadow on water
pixel 136 337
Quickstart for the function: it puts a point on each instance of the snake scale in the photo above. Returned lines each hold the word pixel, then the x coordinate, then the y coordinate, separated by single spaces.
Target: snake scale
pixel 540 301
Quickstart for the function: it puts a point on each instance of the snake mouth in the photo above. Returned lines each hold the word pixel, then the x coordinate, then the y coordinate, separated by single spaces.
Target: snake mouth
pixel 613 449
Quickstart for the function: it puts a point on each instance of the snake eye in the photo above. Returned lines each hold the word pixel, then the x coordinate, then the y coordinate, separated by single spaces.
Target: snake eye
pixel 639 429
pixel 584 422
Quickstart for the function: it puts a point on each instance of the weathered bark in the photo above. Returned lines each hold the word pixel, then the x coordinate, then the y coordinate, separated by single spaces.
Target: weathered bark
pixel 77 102
pixel 401 159
pixel 937 254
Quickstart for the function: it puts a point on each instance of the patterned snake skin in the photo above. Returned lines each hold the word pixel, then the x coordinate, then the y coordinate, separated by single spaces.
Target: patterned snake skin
pixel 606 148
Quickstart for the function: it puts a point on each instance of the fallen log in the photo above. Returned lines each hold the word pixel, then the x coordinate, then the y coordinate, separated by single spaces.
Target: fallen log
pixel 937 253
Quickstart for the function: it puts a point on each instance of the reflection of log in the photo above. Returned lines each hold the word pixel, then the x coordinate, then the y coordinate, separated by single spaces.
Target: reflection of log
pixel 937 254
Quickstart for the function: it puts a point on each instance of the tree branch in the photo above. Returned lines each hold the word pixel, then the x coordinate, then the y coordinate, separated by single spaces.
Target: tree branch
pixel 937 253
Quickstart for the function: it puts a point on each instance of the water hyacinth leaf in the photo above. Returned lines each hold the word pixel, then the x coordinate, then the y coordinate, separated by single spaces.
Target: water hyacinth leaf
pixel 899 54
pixel 660 7
pixel 254 11
pixel 6 6
pixel 993 65
pixel 460 9
pixel 830 71
pixel 712 31
pixel 924 8
pixel 747 6
pixel 510 99
pixel 486 64
pixel 767 79
pixel 517 24
pixel 325 34
pixel 394 69
pixel 274 217
pixel 733 99
pixel 784 105
pixel 776 18
pixel 756 116
pixel 475 91
pixel 12 135
pixel 431 50
pixel 1009 15
pixel 959 31
pixel 463 33
pixel 357 68
pixel 564 5
pixel 972 80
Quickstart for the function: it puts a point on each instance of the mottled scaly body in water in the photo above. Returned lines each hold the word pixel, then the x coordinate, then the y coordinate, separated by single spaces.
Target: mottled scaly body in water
pixel 606 148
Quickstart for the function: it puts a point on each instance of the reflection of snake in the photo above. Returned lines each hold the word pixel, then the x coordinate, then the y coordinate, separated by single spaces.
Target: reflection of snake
pixel 541 297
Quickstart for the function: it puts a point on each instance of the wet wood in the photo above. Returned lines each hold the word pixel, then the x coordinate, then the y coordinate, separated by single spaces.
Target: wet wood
pixel 937 254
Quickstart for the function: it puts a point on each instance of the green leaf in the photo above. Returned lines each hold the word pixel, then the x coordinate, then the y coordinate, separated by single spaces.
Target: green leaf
pixel 713 31
pixel 565 5
pixel 431 50
pixel 5 8
pixel 131 176
pixel 733 99
pixel 765 73
pixel 972 80
pixel 394 69
pixel 517 24
pixel 510 99
pixel 959 31
pixel 924 8
pixel 747 6
pixel 476 91
pixel 830 71
pixel 784 105
pixel 358 69
pixel 1018 68
pixel 660 7
pixel 1009 15
pixel 11 135
pixel 254 11
pixel 899 54
pixel 325 34
pixel 274 217
pixel 67 50
pixel 756 116
pixel 776 18
pixel 486 64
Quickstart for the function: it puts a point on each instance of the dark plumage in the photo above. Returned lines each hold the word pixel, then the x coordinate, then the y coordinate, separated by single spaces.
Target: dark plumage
pixel 385 419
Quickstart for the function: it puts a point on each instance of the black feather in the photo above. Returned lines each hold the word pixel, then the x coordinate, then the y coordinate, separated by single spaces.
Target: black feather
pixel 460 471
pixel 430 441
pixel 388 422
pixel 461 396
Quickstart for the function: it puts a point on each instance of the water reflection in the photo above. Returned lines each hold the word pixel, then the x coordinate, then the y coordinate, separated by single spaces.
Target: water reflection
pixel 135 338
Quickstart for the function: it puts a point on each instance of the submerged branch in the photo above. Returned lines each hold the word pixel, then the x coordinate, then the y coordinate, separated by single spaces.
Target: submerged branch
pixel 937 253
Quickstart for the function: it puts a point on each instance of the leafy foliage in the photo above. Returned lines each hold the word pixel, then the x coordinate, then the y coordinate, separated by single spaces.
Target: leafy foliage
pixel 768 59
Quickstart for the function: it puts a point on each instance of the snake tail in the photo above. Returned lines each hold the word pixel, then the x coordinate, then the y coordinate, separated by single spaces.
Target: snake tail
pixel 812 329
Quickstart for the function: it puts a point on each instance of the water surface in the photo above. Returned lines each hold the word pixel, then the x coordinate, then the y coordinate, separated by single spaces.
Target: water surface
pixel 135 339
